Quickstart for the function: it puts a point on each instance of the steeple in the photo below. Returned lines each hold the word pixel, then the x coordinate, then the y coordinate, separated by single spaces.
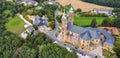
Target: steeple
pixel 64 25
pixel 71 15
pixel 71 9
pixel 64 15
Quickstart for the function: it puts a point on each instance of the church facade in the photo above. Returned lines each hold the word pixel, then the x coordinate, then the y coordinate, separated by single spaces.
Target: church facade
pixel 84 38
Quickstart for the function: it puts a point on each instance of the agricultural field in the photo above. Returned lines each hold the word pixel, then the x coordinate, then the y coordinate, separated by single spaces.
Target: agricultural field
pixel 86 21
pixel 15 25
pixel 86 7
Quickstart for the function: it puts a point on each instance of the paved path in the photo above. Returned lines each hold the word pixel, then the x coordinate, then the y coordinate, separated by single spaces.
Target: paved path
pixel 98 51
pixel 27 22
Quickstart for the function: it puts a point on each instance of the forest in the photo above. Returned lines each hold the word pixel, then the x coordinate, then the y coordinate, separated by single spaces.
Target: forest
pixel 110 3
pixel 34 46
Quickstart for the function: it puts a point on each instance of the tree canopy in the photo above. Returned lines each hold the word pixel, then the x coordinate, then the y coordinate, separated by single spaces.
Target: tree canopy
pixel 110 3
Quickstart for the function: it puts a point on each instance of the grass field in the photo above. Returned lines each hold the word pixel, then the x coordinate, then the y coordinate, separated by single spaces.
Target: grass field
pixel 86 21
pixel 15 25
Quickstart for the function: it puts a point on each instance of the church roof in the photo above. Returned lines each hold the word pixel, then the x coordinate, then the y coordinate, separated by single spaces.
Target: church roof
pixel 75 29
pixel 85 36
pixel 94 34
pixel 108 37
pixel 89 32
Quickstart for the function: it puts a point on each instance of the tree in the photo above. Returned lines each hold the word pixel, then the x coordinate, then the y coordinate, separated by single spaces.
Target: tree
pixel 78 10
pixel 93 23
pixel 51 24
pixel 117 23
pixel 106 22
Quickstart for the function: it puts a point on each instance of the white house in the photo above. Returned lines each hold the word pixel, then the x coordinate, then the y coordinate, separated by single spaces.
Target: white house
pixel 50 1
pixel 28 2
pixel 105 11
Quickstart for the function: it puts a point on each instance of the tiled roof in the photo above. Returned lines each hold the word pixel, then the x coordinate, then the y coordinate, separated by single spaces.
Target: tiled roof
pixel 89 32
pixel 108 37
pixel 85 36
pixel 94 34
pixel 114 30
pixel 76 29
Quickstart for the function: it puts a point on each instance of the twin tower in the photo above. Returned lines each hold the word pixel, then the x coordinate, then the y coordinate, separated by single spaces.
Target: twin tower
pixel 65 20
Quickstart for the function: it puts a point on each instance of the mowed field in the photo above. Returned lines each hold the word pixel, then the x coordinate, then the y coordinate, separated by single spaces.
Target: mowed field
pixel 80 4
pixel 86 21
pixel 15 25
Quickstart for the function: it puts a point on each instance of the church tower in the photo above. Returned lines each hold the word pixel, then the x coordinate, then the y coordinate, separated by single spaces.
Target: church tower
pixel 64 26
pixel 71 15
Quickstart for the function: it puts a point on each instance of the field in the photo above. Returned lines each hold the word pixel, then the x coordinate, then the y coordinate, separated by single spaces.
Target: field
pixel 15 25
pixel 82 5
pixel 86 21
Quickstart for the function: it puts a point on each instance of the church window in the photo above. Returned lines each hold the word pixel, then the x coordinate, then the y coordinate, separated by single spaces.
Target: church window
pixel 83 41
pixel 82 44
pixel 82 48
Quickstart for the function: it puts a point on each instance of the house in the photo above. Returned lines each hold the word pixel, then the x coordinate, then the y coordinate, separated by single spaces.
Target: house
pixel 39 21
pixel 105 11
pixel 29 30
pixel 9 0
pixel 28 2
pixel 85 38
pixel 50 1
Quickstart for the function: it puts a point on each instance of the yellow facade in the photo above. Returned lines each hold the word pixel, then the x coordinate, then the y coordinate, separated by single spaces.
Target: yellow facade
pixel 82 44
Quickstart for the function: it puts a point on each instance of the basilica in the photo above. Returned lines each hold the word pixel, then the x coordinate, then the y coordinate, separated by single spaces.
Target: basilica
pixel 84 38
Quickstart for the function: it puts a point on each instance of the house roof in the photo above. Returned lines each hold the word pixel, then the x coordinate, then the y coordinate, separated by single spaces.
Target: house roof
pixel 30 29
pixel 40 21
pixel 102 9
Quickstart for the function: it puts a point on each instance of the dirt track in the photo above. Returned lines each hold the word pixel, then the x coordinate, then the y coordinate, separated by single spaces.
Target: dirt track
pixel 79 4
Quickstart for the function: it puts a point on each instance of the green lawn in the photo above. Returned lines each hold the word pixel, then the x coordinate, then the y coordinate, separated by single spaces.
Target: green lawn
pixel 108 54
pixel 15 25
pixel 86 21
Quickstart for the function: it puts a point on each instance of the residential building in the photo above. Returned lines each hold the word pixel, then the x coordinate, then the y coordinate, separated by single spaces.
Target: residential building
pixel 50 1
pixel 40 20
pixel 28 2
pixel 107 12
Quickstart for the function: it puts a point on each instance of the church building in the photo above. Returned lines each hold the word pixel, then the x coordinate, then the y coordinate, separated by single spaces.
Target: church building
pixel 85 38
